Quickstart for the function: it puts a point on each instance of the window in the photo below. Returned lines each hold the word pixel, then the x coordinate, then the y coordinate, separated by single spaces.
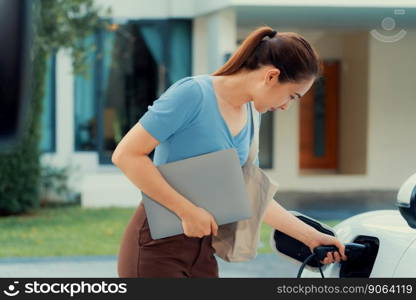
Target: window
pixel 266 141
pixel 85 102
pixel 132 65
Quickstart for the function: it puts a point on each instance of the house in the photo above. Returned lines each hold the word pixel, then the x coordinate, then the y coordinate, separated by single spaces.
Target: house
pixel 353 131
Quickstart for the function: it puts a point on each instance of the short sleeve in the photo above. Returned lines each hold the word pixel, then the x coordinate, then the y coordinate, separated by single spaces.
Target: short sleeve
pixel 173 110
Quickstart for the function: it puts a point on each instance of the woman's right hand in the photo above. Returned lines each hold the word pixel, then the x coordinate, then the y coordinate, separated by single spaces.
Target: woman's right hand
pixel 321 239
pixel 197 222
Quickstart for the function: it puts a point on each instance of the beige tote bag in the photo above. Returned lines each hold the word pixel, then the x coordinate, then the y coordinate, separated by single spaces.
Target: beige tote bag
pixel 238 241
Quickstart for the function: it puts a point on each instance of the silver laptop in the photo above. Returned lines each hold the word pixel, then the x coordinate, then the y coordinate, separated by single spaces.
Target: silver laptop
pixel 213 181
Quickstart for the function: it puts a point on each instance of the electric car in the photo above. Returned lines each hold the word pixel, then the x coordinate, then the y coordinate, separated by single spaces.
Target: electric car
pixel 380 243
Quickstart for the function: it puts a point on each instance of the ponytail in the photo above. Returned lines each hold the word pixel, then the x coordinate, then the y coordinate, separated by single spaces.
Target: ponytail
pixel 287 51
pixel 243 52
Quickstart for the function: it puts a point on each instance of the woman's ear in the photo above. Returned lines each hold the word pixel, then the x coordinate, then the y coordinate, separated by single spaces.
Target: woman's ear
pixel 272 76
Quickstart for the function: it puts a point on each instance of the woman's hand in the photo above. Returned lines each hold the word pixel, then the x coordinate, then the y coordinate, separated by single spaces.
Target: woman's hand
pixel 197 222
pixel 321 239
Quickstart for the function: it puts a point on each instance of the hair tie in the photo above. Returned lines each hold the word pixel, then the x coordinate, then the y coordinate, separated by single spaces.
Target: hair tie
pixel 272 34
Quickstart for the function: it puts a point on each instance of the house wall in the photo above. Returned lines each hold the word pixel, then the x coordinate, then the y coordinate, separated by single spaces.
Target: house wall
pixel 210 47
pixel 354 104
pixel 392 106
pixel 193 8
pixel 144 9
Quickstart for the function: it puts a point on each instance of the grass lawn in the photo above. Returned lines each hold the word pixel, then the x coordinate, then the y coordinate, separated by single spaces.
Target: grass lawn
pixel 74 231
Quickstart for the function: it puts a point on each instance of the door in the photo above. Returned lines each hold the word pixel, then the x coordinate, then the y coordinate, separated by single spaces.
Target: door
pixel 319 121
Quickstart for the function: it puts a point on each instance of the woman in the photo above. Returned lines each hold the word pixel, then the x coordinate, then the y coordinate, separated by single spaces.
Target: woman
pixel 194 117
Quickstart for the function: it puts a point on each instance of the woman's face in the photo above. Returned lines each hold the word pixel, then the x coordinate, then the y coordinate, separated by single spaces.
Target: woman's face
pixel 270 94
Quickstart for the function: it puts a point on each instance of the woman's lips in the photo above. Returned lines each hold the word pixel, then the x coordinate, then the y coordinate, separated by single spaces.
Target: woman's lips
pixel 272 108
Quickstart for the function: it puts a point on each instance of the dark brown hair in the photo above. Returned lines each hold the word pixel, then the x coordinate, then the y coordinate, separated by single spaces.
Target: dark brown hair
pixel 287 51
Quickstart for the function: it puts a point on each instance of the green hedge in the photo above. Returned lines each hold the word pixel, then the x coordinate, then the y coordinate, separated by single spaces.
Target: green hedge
pixel 20 169
pixel 57 24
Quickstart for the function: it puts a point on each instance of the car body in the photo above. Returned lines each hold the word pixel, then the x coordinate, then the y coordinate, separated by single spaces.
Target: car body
pixel 389 237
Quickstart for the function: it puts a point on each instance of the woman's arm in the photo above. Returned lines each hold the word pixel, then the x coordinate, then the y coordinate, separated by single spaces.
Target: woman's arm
pixel 131 157
pixel 279 218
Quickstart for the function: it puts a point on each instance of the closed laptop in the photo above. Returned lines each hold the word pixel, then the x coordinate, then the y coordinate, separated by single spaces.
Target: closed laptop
pixel 213 181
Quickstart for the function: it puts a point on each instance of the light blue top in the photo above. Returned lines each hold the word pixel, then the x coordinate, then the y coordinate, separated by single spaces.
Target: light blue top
pixel 187 122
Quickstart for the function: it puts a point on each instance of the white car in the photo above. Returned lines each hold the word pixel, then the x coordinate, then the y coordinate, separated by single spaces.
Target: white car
pixel 379 243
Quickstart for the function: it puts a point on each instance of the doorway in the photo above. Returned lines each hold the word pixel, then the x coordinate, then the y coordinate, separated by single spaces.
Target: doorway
pixel 319 111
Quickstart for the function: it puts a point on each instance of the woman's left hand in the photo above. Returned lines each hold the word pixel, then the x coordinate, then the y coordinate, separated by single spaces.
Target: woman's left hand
pixel 320 239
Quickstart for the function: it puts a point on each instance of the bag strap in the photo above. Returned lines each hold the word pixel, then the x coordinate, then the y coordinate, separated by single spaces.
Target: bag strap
pixel 254 147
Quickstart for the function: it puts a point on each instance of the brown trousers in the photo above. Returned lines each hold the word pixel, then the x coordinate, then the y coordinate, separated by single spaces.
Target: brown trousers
pixel 174 256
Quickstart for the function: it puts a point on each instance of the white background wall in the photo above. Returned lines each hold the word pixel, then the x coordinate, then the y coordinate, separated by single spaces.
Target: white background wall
pixel 392 106
pixel 149 9
pixel 191 8
pixel 358 3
